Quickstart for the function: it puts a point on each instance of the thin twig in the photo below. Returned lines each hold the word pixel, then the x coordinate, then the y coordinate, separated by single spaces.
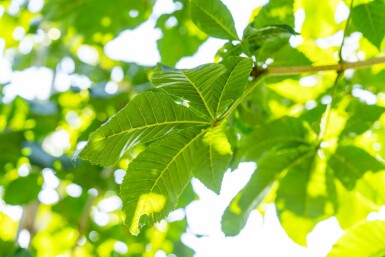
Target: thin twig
pixel 295 70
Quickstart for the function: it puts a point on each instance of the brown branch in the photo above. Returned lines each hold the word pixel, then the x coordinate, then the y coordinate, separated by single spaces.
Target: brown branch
pixel 295 70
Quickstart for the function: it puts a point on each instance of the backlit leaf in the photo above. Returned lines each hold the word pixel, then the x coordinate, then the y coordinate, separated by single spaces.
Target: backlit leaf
pixel 213 17
pixel 194 86
pixel 270 168
pixel 145 118
pixel 369 19
pixel 213 158
pixel 157 177
pixel 350 163
pixel 231 84
pixel 364 240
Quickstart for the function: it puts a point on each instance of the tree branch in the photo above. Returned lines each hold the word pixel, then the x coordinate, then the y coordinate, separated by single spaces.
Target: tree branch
pixel 295 70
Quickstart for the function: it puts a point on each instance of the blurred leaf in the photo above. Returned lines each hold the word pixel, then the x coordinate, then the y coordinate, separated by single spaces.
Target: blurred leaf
pixel 103 22
pixel 213 18
pixel 71 208
pixel 266 40
pixel 179 36
pixel 6 247
pixel 369 19
pixel 30 187
pixel 316 13
pixel 349 163
pixel 275 12
pixel 21 253
pixel 365 239
pixel 362 117
pixel 10 146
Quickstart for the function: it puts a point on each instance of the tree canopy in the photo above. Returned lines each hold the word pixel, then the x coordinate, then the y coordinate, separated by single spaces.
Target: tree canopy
pixel 95 167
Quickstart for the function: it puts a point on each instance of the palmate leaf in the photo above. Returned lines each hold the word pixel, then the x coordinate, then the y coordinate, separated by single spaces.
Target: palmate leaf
pixel 146 118
pixel 157 177
pixel 369 19
pixel 364 240
pixel 213 17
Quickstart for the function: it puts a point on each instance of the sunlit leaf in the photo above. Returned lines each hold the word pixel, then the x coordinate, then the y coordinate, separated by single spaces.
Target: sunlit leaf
pixel 275 12
pixel 369 19
pixel 350 163
pixel 270 168
pixel 103 21
pixel 362 118
pixel 213 158
pixel 146 118
pixel 366 240
pixel 194 86
pixel 157 177
pixel 275 147
pixel 231 84
pixel 214 18
pixel 179 36
pixel 278 134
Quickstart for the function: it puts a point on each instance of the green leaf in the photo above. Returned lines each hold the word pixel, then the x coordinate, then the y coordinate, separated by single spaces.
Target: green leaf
pixel 306 188
pixel 157 177
pixel 231 84
pixel 353 207
pixel 369 19
pixel 195 86
pixel 306 195
pixel 364 240
pixel 103 22
pixel 146 118
pixel 282 133
pixel 29 186
pixel 350 163
pixel 266 40
pixel 10 146
pixel 270 168
pixel 181 39
pixel 286 56
pixel 318 22
pixel 362 117
pixel 20 252
pixel 275 12
pixel 213 158
pixel 213 18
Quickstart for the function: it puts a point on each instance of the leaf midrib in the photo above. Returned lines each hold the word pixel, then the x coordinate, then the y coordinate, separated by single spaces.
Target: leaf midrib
pixel 224 88
pixel 175 156
pixel 150 126
pixel 220 24
pixel 200 95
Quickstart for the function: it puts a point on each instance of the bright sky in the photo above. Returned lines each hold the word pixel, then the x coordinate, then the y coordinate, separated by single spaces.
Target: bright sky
pixel 261 236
